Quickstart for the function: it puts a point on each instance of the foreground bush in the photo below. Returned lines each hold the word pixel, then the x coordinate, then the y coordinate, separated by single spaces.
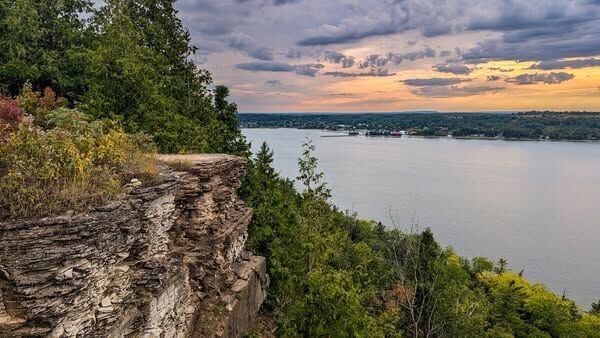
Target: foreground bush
pixel 11 116
pixel 70 165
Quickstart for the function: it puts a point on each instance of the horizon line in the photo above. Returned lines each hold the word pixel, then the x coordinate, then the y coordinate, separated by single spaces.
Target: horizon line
pixel 421 111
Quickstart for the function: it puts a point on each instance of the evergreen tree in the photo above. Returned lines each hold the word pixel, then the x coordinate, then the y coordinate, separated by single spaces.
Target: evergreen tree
pixel 41 42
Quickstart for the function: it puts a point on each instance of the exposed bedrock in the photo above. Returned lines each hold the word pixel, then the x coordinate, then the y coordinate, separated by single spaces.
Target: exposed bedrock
pixel 164 261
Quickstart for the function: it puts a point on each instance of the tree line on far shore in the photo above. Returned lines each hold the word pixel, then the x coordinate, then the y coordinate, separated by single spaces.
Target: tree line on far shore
pixel 577 126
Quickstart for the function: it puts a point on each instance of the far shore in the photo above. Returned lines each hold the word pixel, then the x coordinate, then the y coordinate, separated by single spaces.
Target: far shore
pixel 485 138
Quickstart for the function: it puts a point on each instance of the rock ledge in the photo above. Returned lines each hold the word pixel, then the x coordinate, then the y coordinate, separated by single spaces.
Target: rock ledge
pixel 164 261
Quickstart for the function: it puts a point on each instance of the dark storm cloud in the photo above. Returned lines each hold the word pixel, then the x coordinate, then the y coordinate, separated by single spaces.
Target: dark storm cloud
pixel 248 46
pixel 373 73
pixel 434 82
pixel 550 78
pixel 453 69
pixel 557 64
pixel 454 91
pixel 338 58
pixel 380 60
pixel 310 69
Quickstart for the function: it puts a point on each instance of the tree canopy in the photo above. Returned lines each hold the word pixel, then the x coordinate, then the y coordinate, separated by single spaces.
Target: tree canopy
pixel 129 61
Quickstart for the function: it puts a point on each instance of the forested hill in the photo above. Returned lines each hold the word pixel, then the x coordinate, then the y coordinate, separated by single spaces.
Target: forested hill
pixel 527 125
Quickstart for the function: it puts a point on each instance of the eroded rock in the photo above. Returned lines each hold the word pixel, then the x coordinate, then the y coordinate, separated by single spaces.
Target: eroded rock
pixel 165 261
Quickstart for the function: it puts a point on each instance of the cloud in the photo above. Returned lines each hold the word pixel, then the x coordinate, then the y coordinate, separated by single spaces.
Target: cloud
pixel 374 60
pixel 453 68
pixel 248 46
pixel 454 91
pixel 294 53
pixel 373 72
pixel 212 18
pixel 378 60
pixel 342 94
pixel 273 83
pixel 557 64
pixel 520 30
pixel 521 15
pixel 500 69
pixel 348 62
pixel 284 2
pixel 550 78
pixel 434 82
pixel 549 33
pixel 532 31
pixel 338 58
pixel 386 17
pixel 310 69
pixel 352 29
pixel 518 20
pixel 266 67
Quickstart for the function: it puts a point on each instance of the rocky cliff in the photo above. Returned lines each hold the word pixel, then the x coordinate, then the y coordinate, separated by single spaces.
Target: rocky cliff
pixel 164 261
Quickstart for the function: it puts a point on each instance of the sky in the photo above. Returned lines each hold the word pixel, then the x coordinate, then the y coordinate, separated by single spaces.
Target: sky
pixel 400 55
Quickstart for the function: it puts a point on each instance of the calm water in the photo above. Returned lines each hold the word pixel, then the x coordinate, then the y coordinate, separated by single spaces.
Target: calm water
pixel 536 204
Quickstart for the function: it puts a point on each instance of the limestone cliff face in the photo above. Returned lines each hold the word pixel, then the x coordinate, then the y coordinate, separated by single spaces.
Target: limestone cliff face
pixel 165 261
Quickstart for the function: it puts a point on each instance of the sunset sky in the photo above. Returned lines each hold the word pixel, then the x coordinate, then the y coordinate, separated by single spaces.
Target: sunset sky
pixel 400 55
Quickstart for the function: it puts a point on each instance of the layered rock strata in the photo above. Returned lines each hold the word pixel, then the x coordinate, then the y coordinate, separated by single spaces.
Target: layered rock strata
pixel 164 261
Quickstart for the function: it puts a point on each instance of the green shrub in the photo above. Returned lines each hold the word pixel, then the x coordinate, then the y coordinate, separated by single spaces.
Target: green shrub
pixel 71 166
pixel 39 105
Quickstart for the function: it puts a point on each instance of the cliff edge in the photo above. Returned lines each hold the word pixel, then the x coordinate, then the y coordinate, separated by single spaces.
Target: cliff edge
pixel 163 261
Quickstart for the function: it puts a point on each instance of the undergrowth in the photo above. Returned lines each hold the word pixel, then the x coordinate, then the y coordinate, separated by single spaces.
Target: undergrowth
pixel 53 159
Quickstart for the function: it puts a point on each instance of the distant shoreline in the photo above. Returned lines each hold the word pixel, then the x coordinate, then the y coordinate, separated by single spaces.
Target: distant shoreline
pixel 483 138
pixel 527 126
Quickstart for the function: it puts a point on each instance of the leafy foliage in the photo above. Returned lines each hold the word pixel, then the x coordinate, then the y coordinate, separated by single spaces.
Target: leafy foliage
pixel 41 41
pixel 11 115
pixel 68 164
pixel 127 61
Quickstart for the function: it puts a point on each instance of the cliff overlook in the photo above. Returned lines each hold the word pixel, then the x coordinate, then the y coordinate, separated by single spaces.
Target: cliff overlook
pixel 163 261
